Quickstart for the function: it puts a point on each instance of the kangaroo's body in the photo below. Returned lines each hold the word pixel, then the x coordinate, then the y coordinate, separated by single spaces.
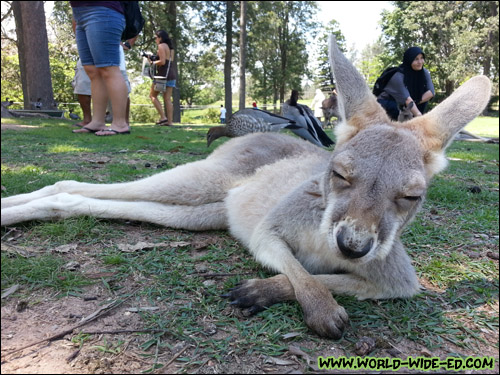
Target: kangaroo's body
pixel 325 222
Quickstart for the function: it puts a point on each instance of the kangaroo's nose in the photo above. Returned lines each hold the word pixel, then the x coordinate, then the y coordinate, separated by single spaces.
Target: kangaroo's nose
pixel 352 249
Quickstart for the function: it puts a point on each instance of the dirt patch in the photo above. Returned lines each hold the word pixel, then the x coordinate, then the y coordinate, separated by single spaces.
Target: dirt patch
pixel 122 341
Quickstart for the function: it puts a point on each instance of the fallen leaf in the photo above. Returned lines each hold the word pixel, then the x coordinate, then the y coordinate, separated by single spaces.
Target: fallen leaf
pixel 290 335
pixel 9 291
pixel 279 361
pixel 66 248
pixel 145 308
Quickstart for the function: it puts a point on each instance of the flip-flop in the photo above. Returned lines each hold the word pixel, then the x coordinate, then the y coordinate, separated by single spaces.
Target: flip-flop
pixel 85 132
pixel 113 131
pixel 162 122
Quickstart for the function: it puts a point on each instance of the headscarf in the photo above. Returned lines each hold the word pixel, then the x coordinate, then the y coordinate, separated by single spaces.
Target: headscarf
pixel 414 80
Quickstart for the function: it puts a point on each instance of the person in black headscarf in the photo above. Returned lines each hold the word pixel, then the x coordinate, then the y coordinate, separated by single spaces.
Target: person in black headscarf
pixel 411 83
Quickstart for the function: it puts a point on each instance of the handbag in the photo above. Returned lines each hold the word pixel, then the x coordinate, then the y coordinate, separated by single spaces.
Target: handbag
pixel 134 22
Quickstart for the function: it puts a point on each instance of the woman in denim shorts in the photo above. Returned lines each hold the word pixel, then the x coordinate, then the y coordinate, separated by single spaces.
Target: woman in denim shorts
pixel 164 68
pixel 99 26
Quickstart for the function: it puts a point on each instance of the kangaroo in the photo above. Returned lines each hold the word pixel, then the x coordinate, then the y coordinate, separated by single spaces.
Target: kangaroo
pixel 323 221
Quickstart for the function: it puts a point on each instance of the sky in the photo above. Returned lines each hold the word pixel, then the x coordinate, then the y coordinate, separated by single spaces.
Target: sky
pixel 358 19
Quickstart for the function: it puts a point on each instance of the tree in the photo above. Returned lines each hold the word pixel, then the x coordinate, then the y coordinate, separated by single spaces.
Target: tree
pixel 459 38
pixel 32 45
pixel 243 51
pixel 172 17
pixel 228 93
pixel 324 77
pixel 277 52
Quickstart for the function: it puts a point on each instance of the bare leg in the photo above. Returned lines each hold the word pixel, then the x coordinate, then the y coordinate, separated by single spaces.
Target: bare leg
pixel 85 101
pixel 127 114
pixel 154 99
pixel 167 96
pixel 99 100
pixel 117 90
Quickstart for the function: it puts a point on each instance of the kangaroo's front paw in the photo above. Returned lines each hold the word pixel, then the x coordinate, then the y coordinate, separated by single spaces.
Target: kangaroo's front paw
pixel 322 313
pixel 327 320
pixel 258 294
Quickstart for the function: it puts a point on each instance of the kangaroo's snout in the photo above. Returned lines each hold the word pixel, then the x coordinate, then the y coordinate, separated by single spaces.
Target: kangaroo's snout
pixel 354 244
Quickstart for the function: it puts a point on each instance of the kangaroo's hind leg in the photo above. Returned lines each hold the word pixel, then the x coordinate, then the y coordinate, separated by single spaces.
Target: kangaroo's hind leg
pixel 202 217
pixel 195 183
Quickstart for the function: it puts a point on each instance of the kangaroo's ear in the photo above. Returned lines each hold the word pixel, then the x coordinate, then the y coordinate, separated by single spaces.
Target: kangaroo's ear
pixel 437 128
pixel 358 108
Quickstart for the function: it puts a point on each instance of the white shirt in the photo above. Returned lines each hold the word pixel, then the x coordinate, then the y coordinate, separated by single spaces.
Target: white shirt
pixel 223 112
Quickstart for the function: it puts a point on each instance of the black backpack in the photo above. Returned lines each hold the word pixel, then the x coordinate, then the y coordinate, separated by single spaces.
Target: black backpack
pixel 384 78
pixel 134 22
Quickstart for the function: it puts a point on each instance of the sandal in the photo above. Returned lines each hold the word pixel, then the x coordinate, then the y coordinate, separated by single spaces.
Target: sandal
pixel 112 131
pixel 87 130
pixel 162 122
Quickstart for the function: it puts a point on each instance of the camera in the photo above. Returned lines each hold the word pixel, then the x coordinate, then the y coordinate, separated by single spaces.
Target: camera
pixel 150 57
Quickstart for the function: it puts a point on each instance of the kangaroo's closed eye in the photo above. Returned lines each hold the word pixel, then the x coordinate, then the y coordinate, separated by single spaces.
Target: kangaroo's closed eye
pixel 412 198
pixel 338 175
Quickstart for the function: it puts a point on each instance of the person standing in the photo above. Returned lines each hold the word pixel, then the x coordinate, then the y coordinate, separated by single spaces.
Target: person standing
pixel 165 68
pixel 222 114
pixel 99 27
pixel 317 104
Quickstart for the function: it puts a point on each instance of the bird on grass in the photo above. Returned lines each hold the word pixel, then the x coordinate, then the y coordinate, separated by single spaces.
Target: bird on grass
pixel 7 102
pixel 250 120
pixel 309 126
pixel 73 116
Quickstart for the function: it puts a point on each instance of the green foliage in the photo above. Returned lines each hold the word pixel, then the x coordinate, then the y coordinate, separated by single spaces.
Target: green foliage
pixel 213 115
pixel 460 38
pixel 11 78
pixel 323 78
pixel 277 54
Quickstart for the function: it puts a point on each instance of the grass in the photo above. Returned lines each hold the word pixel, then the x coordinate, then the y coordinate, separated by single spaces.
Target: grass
pixel 484 126
pixel 448 241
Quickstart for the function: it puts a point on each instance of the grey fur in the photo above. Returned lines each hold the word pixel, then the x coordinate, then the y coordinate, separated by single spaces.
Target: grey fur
pixel 325 222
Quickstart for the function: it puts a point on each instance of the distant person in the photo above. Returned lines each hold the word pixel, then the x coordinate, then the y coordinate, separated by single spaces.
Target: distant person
pixel 317 104
pixel 222 114
pixel 99 27
pixel 411 83
pixel 254 105
pixel 163 65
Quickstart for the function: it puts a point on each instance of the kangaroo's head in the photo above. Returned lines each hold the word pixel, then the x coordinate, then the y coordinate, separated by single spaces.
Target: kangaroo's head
pixel 380 170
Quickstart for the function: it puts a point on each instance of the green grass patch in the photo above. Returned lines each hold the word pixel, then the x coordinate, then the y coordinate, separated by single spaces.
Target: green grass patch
pixel 45 271
pixel 448 241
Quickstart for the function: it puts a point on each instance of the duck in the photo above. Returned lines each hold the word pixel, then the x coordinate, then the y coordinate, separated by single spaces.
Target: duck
pixel 250 120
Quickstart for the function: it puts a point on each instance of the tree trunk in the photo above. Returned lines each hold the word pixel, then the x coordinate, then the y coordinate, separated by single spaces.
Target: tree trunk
pixel 228 94
pixel 283 40
pixel 33 49
pixel 243 52
pixel 176 95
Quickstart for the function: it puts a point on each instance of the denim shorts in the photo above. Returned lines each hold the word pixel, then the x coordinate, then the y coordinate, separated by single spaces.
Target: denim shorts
pixel 98 34
pixel 170 83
